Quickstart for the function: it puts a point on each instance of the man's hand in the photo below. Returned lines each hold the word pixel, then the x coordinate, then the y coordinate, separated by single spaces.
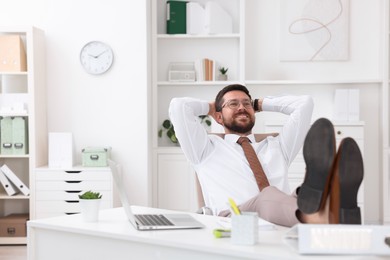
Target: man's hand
pixel 212 111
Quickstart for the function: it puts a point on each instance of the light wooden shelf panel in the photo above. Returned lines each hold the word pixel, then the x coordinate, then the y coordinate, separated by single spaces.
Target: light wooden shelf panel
pixel 13 240
pixel 13 73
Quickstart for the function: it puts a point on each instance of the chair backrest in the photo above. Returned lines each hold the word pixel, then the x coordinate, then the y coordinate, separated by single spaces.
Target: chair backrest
pixel 200 198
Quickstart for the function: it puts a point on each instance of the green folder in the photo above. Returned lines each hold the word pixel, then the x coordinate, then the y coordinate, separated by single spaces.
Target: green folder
pixel 19 135
pixel 6 135
pixel 176 17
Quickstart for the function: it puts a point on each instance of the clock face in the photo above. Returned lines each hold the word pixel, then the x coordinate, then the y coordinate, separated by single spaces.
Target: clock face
pixel 96 57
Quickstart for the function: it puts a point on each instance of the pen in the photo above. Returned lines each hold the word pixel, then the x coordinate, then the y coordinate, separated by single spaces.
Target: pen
pixel 233 205
pixel 219 233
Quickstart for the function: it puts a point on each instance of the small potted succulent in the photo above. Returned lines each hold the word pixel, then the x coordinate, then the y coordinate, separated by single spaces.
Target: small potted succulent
pixel 223 73
pixel 89 204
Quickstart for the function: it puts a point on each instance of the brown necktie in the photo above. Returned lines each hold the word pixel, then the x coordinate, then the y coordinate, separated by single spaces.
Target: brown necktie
pixel 254 163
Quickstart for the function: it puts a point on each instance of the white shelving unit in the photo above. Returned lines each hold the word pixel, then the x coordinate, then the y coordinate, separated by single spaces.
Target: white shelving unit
pixel 34 90
pixel 166 48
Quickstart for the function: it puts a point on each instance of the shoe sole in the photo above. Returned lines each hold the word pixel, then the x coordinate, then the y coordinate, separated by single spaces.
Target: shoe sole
pixel 319 151
pixel 349 171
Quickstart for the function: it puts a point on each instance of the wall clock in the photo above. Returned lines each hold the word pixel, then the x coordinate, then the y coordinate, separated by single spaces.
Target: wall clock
pixel 96 57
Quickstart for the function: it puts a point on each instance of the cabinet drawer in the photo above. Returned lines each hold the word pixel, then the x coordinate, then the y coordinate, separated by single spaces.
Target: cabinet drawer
pixel 73 175
pixel 66 195
pixel 349 131
pixel 73 185
pixel 62 206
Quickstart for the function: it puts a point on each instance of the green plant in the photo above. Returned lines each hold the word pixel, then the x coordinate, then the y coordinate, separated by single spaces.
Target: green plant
pixel 89 195
pixel 223 70
pixel 170 130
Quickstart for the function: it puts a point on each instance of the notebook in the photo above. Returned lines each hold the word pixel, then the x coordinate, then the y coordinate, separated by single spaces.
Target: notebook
pixel 151 221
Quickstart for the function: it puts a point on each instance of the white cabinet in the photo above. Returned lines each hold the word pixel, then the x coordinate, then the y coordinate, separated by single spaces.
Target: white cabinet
pixel 297 168
pixel 176 188
pixel 57 190
pixel 23 94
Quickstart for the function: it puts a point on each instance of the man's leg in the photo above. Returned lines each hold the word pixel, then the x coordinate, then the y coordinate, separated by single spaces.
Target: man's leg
pixel 272 205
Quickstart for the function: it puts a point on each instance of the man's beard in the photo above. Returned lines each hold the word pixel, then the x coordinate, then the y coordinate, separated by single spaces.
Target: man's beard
pixel 233 126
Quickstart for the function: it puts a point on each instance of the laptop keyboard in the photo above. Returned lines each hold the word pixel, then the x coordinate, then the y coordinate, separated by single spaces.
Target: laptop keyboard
pixel 153 220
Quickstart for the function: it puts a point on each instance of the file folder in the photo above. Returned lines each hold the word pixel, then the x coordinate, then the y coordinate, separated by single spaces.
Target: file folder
pixel 15 180
pixel 176 17
pixel 6 135
pixel 7 185
pixel 19 135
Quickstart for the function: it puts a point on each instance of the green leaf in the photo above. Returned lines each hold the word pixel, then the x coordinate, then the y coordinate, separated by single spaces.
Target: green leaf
pixel 208 122
pixel 160 133
pixel 166 124
pixel 173 139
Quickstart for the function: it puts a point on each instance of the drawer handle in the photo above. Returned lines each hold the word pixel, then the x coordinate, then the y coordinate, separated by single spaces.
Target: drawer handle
pixel 72 171
pixel 73 191
pixel 71 201
pixel 72 181
pixel 7 145
pixel 71 213
pixel 339 132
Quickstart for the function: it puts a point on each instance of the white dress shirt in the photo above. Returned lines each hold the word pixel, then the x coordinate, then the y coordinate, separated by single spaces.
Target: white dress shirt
pixel 221 165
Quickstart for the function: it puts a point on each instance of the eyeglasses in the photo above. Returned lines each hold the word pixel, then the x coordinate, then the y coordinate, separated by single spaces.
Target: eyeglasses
pixel 234 104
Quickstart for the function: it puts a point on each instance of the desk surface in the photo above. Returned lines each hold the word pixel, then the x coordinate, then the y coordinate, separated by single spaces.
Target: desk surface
pixel 47 237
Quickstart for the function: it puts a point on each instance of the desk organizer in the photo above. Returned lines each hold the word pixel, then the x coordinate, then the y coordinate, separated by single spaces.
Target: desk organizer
pixel 245 228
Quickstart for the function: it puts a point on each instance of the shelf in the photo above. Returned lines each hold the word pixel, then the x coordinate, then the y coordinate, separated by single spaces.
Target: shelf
pixel 13 156
pixel 198 36
pixel 13 240
pixel 4 196
pixel 195 83
pixel 312 82
pixel 13 73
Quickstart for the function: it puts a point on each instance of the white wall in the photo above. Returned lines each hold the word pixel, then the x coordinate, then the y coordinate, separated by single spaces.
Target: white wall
pixel 106 110
pixel 364 64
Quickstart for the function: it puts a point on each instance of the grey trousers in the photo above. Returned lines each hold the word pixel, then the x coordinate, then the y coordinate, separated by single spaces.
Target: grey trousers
pixel 272 205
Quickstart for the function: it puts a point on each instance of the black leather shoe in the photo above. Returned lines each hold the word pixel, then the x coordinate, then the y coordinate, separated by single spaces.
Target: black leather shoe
pixel 319 150
pixel 347 177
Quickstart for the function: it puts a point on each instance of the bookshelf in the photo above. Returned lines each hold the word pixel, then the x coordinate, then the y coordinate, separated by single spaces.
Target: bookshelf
pixel 28 88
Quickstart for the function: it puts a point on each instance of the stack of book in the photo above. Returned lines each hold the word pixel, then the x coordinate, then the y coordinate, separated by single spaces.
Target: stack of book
pixel 205 69
pixel 11 182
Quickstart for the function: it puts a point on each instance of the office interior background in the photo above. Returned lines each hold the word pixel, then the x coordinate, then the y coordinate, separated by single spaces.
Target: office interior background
pixel 114 109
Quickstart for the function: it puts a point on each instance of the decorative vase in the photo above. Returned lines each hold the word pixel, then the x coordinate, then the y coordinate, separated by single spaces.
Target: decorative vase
pixel 223 77
pixel 90 209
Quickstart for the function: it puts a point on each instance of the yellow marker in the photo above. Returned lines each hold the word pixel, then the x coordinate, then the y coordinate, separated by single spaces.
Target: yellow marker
pixel 236 210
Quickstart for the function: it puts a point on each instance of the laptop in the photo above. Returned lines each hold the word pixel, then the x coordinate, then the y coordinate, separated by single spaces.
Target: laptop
pixel 151 221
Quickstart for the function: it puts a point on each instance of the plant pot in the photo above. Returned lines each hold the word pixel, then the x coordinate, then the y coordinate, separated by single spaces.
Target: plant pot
pixel 90 209
pixel 223 77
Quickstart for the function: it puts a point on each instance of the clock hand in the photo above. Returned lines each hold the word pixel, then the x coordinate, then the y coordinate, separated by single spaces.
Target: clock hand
pixel 97 56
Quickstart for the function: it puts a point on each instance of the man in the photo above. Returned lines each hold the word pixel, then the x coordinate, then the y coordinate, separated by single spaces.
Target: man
pixel 225 172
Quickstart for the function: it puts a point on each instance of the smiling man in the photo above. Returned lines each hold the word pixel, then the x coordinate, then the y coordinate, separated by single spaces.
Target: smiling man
pixel 226 169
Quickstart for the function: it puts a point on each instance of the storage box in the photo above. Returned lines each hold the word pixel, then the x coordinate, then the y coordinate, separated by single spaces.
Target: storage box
pixel 96 156
pixel 13 225
pixel 12 53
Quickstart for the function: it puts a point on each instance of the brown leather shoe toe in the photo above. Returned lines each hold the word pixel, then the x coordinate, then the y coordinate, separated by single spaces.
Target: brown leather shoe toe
pixel 346 180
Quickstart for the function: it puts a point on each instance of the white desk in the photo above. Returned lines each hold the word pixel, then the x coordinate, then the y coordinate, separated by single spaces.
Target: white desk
pixel 113 237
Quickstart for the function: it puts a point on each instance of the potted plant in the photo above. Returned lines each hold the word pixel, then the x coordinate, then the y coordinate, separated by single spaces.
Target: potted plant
pixel 223 75
pixel 167 127
pixel 89 204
